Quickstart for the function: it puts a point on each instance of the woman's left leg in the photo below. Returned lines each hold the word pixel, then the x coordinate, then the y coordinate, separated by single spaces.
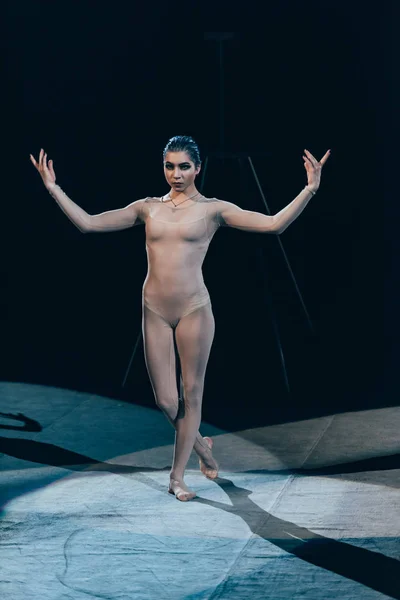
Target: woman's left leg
pixel 194 335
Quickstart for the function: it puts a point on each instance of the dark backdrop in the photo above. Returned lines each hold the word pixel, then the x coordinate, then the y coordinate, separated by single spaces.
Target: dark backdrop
pixel 102 87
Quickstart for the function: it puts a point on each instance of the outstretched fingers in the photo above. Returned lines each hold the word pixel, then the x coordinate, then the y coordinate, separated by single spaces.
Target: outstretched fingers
pixel 43 166
pixel 39 163
pixel 325 157
pixel 51 169
pixel 33 161
pixel 310 159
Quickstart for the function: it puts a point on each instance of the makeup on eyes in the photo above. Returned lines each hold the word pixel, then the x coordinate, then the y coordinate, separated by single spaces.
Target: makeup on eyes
pixel 182 165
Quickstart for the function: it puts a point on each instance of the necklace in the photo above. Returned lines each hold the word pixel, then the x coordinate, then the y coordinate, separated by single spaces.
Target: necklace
pixel 168 197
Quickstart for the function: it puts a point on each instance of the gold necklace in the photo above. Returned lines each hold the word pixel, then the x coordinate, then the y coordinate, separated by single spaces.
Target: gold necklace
pixel 168 197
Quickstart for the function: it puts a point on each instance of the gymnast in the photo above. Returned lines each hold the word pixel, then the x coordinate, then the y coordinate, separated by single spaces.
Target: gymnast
pixel 179 227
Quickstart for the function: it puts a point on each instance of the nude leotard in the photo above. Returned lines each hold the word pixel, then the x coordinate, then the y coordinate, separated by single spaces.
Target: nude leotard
pixel 177 240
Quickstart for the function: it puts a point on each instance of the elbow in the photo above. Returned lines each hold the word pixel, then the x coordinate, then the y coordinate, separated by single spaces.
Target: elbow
pixel 276 228
pixel 85 227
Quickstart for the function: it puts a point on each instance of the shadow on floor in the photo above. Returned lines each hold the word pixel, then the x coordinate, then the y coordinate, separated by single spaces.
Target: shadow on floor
pixel 366 465
pixel 372 569
pixel 367 567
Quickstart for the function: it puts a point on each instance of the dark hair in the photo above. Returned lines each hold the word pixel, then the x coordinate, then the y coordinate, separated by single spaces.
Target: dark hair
pixel 184 143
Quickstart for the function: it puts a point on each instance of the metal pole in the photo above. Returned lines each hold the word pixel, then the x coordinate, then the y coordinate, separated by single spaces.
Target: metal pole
pixel 132 357
pixel 221 97
pixel 204 171
pixel 283 250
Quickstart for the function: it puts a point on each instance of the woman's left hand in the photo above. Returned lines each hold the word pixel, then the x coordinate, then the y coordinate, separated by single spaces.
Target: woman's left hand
pixel 313 168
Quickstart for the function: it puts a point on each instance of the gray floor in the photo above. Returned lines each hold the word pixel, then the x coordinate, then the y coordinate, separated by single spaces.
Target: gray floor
pixel 306 510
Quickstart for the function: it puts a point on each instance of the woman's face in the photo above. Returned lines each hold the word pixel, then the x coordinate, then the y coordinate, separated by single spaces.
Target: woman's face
pixel 179 170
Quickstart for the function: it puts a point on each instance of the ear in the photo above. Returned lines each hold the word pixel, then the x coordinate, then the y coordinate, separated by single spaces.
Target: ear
pixel 198 169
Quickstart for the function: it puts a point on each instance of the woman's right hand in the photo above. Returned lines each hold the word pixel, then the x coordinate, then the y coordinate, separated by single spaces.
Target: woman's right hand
pixel 46 171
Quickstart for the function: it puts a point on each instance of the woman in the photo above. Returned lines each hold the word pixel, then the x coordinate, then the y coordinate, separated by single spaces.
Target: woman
pixel 179 228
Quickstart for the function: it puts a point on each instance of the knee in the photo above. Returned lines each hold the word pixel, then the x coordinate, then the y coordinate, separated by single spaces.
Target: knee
pixel 193 394
pixel 166 403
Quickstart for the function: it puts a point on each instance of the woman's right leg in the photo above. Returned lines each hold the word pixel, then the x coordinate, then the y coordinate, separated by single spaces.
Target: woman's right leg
pixel 159 354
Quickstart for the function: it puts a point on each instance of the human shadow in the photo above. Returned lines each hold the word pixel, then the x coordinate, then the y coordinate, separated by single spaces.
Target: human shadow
pixel 364 465
pixel 51 455
pixel 372 464
pixel 28 424
pixel 367 567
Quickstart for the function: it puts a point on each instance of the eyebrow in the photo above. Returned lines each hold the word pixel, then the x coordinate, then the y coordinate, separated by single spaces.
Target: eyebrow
pixel 169 162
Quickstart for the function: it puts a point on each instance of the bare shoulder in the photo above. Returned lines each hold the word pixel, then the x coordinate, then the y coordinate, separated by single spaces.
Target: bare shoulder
pixel 223 208
pixel 222 205
pixel 142 207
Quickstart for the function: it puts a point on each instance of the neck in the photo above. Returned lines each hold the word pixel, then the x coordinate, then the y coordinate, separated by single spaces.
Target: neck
pixel 190 191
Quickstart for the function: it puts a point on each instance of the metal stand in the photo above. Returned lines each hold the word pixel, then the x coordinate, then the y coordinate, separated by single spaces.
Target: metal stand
pixel 240 156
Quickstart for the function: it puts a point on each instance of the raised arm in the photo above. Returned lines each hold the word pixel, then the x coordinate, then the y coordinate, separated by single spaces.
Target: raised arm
pixel 120 218
pixel 231 215
pixel 112 220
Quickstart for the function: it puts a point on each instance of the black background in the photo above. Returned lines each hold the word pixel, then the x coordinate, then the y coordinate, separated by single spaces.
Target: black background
pixel 102 87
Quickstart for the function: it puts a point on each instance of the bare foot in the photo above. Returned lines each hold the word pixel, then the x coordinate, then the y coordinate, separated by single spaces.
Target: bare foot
pixel 208 465
pixel 180 490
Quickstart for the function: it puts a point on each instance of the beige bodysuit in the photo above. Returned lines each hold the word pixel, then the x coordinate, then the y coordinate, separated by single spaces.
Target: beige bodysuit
pixel 177 241
pixel 176 305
